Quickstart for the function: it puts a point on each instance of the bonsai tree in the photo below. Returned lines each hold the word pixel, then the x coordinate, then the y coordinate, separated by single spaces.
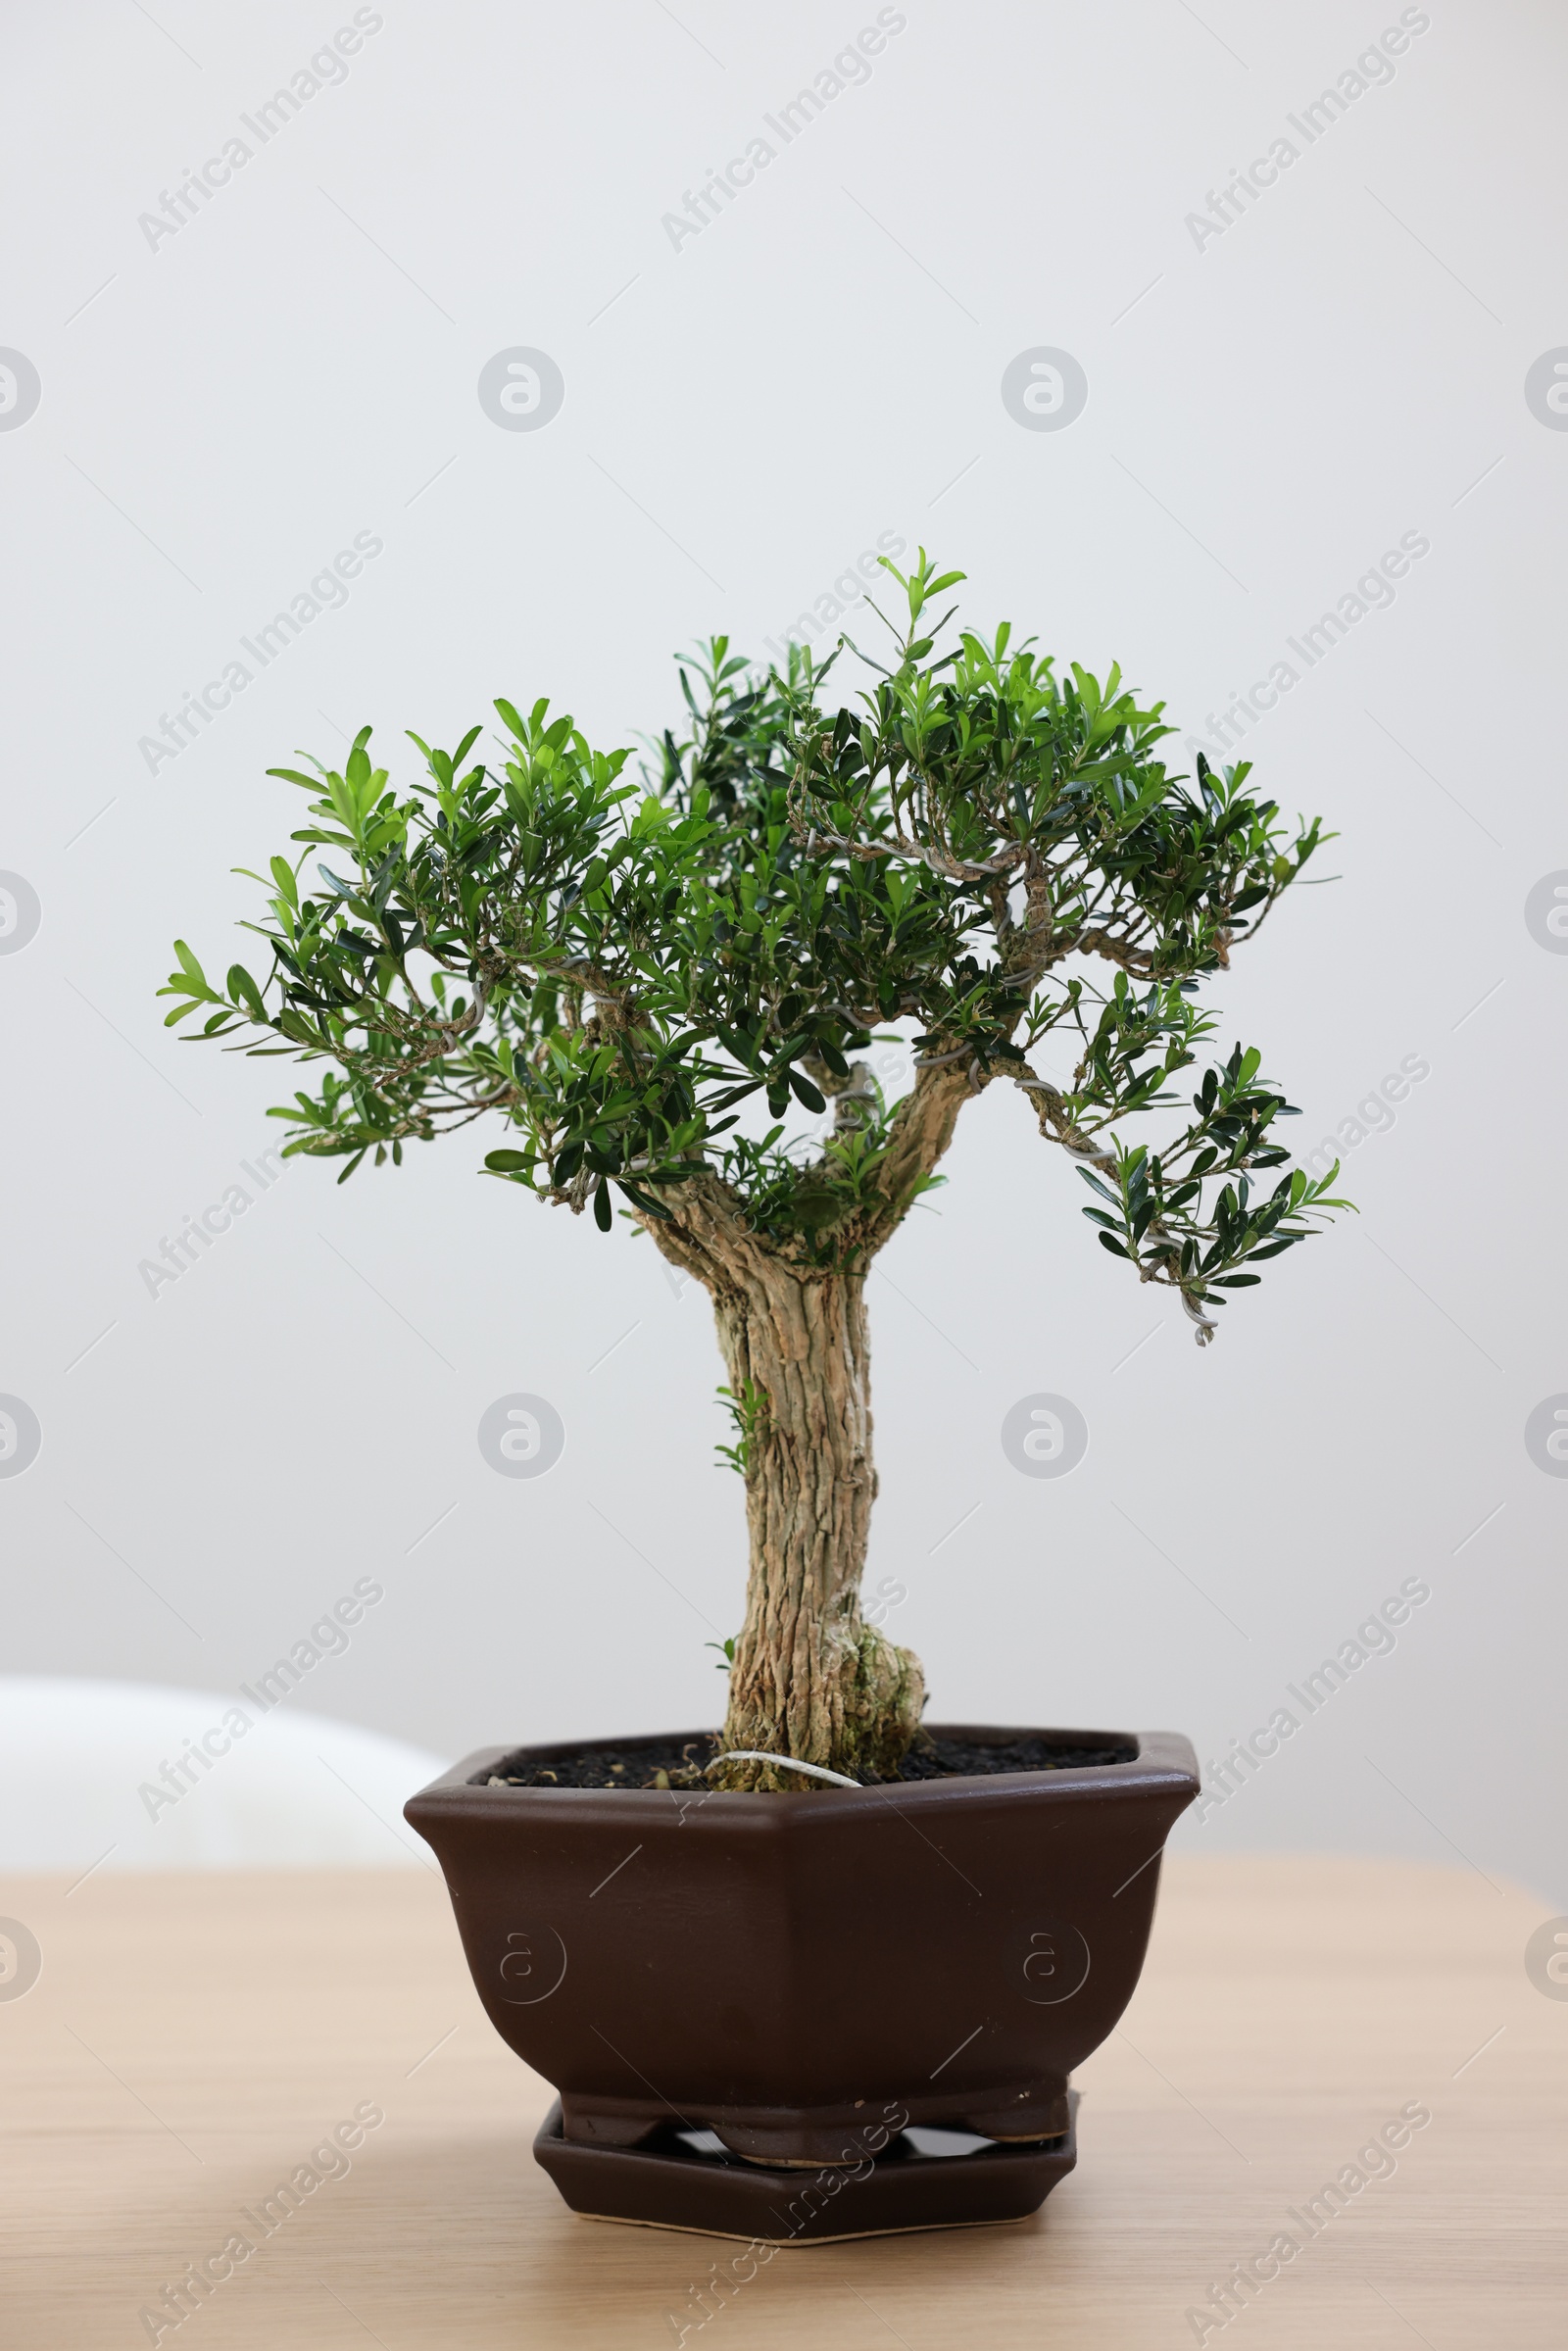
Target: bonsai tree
pixel 643 986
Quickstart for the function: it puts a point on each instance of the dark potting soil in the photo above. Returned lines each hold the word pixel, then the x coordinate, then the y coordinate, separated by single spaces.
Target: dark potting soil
pixel 668 1765
pixel 969 1759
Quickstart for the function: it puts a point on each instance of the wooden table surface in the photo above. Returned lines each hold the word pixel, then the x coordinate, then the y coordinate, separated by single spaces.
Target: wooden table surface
pixel 192 2040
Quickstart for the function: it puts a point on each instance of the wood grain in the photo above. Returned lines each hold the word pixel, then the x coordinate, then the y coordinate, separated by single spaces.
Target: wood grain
pixel 191 2039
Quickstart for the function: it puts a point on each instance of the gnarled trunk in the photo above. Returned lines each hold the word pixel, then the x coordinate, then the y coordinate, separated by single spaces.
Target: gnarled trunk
pixel 810 1678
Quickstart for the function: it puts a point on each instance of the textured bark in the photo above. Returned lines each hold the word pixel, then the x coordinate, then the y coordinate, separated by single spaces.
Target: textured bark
pixel 922 1129
pixel 811 1679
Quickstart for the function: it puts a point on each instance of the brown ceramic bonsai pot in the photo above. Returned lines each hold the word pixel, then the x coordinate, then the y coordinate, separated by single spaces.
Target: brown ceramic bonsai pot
pixel 808 1978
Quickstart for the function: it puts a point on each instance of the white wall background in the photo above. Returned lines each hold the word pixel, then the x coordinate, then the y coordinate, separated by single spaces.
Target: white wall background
pixel 1268 412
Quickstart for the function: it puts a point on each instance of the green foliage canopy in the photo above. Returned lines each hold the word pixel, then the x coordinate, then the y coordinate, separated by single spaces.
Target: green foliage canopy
pixel 614 972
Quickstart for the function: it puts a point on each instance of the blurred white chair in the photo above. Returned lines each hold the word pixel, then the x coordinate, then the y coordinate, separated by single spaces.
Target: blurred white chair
pixel 130 1774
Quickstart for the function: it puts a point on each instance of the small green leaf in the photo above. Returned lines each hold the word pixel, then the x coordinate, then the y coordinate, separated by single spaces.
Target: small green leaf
pixel 649 1206
pixel 242 990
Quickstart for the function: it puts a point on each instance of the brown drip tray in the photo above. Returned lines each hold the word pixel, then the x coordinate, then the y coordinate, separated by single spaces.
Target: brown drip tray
pixel 923 2179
